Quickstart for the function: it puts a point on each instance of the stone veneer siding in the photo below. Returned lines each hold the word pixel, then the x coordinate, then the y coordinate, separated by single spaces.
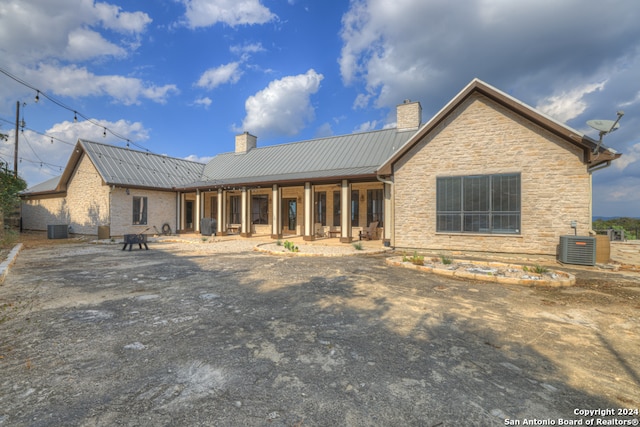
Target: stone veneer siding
pixel 481 137
pixel 90 203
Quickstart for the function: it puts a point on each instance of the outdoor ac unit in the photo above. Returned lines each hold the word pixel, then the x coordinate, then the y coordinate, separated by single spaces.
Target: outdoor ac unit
pixel 58 231
pixel 578 250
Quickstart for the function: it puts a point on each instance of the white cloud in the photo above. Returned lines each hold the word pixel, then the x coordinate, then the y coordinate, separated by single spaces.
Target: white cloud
pixel 204 13
pixel 214 77
pixel 282 108
pixel 568 104
pixel 77 81
pixel 41 159
pixel 366 126
pixel 205 102
pixel 630 156
pixel 199 159
pixel 33 30
pixel 247 49
pixel 86 44
pixel 114 18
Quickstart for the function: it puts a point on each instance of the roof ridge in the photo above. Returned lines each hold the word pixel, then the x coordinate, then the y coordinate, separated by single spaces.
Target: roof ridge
pixel 304 141
pixel 147 153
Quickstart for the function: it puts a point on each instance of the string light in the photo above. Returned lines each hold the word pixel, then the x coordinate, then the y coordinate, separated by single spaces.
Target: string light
pixel 66 107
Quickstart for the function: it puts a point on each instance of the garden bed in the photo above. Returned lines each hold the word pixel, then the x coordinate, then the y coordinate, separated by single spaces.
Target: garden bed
pixel 513 274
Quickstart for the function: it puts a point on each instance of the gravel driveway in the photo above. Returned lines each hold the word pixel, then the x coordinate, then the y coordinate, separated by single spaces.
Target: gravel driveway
pixel 220 335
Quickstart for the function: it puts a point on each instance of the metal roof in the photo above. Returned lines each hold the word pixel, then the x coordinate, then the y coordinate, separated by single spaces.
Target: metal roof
pixel 123 166
pixel 44 187
pixel 337 156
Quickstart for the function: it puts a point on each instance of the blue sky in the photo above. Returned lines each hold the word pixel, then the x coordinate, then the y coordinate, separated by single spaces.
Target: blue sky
pixel 183 77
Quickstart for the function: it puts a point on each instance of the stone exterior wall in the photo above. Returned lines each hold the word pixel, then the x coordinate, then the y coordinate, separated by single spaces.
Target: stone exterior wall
pixel 161 210
pixel 38 212
pixel 87 199
pixel 89 203
pixel 479 138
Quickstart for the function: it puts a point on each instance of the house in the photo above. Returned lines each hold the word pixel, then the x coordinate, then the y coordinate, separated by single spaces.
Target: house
pixel 487 172
pixel 125 190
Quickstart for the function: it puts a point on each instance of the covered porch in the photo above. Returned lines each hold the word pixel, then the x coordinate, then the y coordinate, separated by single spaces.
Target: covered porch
pixel 337 210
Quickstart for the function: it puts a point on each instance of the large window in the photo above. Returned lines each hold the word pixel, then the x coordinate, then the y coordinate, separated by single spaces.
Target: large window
pixel 234 210
pixel 139 210
pixel 375 203
pixel 479 204
pixel 355 208
pixel 260 209
pixel 321 207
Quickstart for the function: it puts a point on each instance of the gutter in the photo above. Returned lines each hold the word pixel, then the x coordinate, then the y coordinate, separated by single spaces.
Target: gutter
pixel 599 166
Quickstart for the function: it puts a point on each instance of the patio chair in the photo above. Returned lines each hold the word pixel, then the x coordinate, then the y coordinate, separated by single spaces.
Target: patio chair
pixel 369 232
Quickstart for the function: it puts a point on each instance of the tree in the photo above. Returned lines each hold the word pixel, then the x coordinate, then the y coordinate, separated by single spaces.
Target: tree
pixel 10 187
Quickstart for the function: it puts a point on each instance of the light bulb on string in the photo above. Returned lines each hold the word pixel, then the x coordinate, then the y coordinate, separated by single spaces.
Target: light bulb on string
pixel 37 96
pixel 75 117
pixel 104 133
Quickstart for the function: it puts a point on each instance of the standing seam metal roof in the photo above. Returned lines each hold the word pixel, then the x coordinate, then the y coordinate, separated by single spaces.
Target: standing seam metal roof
pixel 122 166
pixel 346 155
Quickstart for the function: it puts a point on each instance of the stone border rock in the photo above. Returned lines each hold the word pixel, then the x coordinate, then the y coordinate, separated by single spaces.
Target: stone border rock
pixel 564 279
pixel 8 262
pixel 318 250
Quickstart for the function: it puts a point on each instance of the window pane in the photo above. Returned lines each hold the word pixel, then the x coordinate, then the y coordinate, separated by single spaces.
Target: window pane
pixel 260 209
pixel 476 223
pixel 375 203
pixel 448 194
pixel 476 193
pixel 505 191
pixel 139 210
pixel 506 223
pixel 355 208
pixel 449 222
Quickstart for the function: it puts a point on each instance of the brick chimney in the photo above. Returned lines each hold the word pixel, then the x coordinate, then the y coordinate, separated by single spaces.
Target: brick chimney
pixel 409 115
pixel 245 142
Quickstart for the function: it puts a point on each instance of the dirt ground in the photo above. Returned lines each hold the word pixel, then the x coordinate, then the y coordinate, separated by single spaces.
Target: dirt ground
pixel 207 334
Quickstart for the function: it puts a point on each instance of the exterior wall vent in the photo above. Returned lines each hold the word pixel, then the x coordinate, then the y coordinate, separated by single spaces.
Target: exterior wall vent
pixel 579 250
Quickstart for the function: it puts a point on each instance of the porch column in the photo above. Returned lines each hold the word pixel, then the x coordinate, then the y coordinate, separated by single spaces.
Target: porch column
pixel 276 212
pixel 197 214
pixel 245 226
pixel 388 215
pixel 345 214
pixel 309 217
pixel 176 226
pixel 182 211
pixel 222 207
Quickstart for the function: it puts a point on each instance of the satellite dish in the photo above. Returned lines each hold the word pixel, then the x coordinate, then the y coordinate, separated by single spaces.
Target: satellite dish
pixel 605 127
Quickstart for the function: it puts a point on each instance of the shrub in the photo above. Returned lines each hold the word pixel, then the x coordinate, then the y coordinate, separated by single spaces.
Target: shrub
pixel 445 259
pixel 290 246
pixel 357 246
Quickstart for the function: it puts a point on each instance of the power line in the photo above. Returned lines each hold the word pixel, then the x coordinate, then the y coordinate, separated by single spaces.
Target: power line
pixel 75 112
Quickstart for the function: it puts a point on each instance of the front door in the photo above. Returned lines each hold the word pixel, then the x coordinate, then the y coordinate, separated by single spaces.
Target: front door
pixel 290 207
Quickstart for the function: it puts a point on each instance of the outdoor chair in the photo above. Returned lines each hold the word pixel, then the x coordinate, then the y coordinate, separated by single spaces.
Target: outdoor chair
pixel 370 232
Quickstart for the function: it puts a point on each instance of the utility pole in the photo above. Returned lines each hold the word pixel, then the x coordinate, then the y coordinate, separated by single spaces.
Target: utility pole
pixel 15 154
